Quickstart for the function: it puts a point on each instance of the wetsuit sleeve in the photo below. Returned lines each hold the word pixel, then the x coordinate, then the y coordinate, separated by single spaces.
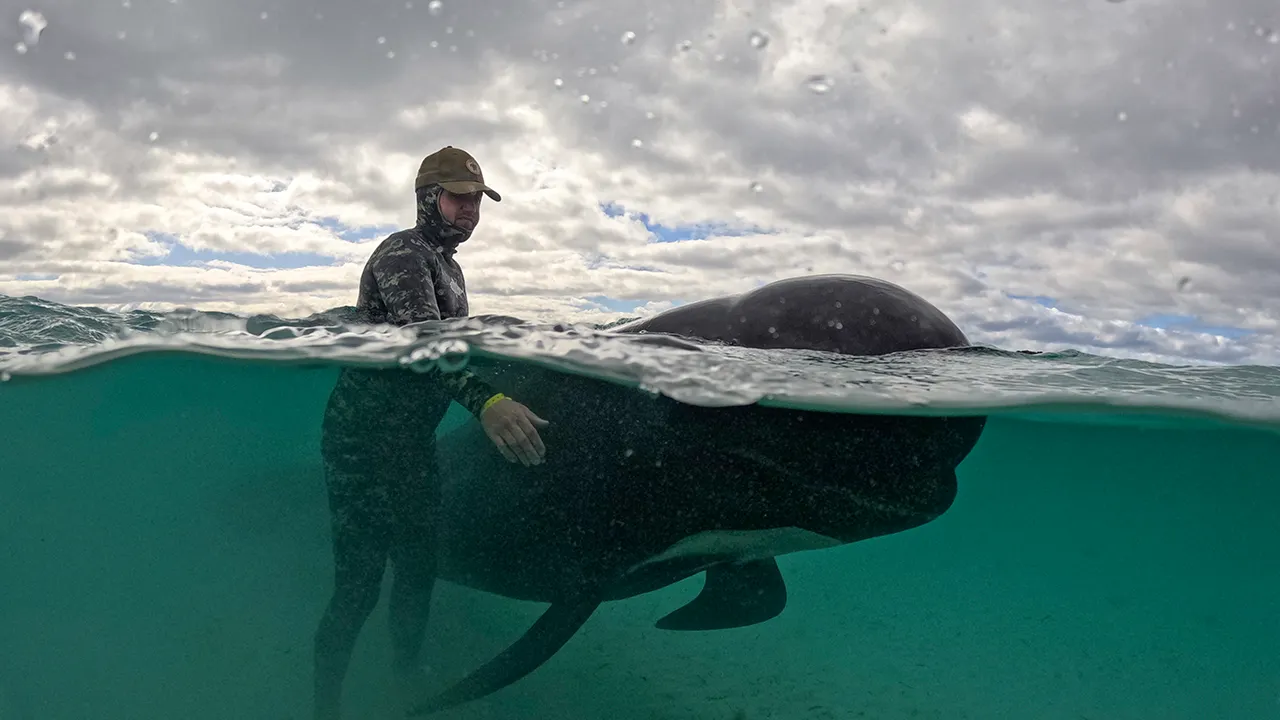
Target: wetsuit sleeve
pixel 404 278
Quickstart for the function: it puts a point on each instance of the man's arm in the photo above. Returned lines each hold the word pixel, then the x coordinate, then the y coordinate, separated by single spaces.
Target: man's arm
pixel 404 277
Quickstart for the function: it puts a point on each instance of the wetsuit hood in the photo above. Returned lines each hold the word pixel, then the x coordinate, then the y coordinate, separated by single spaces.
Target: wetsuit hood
pixel 433 225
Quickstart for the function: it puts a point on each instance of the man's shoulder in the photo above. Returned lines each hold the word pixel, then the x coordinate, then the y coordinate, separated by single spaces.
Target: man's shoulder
pixel 401 243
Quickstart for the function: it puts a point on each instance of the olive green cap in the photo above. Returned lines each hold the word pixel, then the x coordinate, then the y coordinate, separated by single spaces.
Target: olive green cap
pixel 454 170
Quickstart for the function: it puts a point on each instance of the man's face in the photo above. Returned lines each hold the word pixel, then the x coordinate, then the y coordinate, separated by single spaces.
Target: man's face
pixel 463 211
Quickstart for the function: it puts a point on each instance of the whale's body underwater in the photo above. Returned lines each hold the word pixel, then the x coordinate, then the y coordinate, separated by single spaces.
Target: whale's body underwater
pixel 639 492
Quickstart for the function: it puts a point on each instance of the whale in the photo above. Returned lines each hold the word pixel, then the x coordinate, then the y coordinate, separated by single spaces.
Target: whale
pixel 639 491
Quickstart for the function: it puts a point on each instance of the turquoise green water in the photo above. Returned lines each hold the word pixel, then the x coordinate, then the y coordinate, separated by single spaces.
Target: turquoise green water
pixel 1111 554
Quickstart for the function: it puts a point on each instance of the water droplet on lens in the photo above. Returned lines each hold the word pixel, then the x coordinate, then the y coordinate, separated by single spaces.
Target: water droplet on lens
pixel 264 16
pixel 584 98
pixel 1183 283
pixel 758 39
pixel 757 187
pixel 33 23
pixel 69 55
pixel 1122 116
pixel 435 7
pixel 382 41
pixel 628 37
pixel 391 54
pixel 154 136
pixel 5 377
pixel 1274 37
pixel 559 83
pixel 685 46
pixel 818 84
pixel 637 143
pixel 21 48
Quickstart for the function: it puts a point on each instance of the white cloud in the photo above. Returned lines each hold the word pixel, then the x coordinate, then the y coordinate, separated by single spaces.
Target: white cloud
pixel 1120 158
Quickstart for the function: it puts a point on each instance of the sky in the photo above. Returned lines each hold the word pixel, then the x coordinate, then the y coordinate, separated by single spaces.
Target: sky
pixel 1092 175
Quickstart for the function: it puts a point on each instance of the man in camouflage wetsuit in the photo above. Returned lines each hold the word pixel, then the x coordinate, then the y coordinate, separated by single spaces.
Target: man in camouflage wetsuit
pixel 378 437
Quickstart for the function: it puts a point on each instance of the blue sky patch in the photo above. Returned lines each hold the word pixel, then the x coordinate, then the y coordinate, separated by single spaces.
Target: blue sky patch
pixel 680 233
pixel 181 255
pixel 1191 323
pixel 1044 300
pixel 616 304
pixel 355 234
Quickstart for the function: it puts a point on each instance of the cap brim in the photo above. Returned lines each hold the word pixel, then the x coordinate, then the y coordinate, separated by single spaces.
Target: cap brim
pixel 466 186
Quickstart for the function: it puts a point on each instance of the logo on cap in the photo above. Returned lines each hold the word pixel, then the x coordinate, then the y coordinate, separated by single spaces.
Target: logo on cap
pixel 473 167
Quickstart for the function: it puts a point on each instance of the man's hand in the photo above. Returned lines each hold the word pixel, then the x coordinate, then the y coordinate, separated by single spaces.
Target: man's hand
pixel 513 428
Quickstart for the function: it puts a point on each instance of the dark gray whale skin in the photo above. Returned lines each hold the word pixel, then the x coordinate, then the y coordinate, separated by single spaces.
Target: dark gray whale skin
pixel 638 491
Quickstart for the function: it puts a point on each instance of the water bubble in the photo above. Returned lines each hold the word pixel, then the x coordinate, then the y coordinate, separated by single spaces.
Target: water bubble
pixel 758 39
pixel 650 115
pixel 69 55
pixel 391 54
pixel 818 84
pixel 637 142
pixel 382 40
pixel 453 360
pixel 559 83
pixel 435 7
pixel 1274 37
pixel 1122 116
pixel 584 98
pixel 628 37
pixel 20 48
pixel 435 43
pixel 33 23
pixel 756 186
pixel 5 377
pixel 154 136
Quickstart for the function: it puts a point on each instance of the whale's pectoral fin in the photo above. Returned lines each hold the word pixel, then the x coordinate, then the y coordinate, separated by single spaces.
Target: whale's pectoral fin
pixel 556 626
pixel 734 596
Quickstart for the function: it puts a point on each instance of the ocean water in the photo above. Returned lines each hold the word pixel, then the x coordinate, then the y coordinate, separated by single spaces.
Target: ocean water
pixel 1111 554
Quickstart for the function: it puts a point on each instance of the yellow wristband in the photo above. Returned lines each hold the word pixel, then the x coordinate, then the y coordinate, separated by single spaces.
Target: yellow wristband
pixel 491 402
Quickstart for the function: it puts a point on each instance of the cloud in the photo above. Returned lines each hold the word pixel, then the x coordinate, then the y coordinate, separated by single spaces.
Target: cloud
pixel 1121 158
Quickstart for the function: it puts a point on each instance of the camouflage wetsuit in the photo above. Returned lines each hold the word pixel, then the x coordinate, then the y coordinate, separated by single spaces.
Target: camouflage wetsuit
pixel 378 448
